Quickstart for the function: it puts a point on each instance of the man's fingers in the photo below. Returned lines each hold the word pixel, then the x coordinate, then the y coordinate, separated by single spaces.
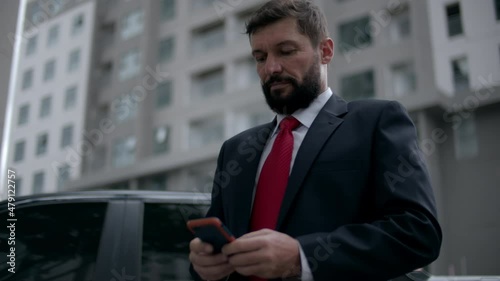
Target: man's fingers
pixel 198 246
pixel 246 259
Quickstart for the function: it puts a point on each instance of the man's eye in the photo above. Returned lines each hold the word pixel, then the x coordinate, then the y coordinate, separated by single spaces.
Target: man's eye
pixel 260 59
pixel 287 52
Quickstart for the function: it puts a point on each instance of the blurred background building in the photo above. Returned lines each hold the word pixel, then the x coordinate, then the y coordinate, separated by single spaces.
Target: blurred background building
pixel 141 94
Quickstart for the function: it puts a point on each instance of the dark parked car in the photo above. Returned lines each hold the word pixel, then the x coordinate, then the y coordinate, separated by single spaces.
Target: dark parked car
pixel 100 235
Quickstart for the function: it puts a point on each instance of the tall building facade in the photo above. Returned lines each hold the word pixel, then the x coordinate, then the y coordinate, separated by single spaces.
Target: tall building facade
pixel 162 84
pixel 48 110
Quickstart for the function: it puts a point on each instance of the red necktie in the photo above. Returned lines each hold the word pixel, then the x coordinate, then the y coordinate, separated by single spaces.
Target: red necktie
pixel 273 180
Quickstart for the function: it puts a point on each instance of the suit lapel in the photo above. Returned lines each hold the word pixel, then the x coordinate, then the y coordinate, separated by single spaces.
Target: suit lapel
pixel 243 193
pixel 321 129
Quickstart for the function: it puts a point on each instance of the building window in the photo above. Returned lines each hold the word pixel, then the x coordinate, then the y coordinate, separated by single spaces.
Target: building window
pixel 70 98
pixel 49 70
pixel 400 27
pixel 358 86
pixel 74 60
pixel 355 34
pixel 130 64
pixel 460 70
pixel 245 74
pixel 465 136
pixel 38 182
pixel 167 9
pixel 124 152
pixel 164 94
pixel 42 143
pixel 27 79
pixel 45 107
pixel 19 151
pixel 206 131
pixel 53 36
pixel 208 38
pixel 31 47
pixel 403 79
pixel 207 85
pixel 67 136
pixel 161 138
pixel 63 175
pixel 77 26
pixel 497 9
pixel 24 114
pixel 166 49
pixel 132 24
pixel 454 19
pixel 123 108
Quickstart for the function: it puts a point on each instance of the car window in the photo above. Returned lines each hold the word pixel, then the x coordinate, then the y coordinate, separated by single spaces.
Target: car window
pixel 166 240
pixel 53 242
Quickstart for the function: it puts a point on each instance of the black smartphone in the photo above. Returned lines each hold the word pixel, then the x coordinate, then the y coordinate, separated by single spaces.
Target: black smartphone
pixel 211 230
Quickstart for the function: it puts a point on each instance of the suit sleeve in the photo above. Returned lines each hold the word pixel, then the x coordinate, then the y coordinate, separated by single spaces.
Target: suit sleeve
pixel 403 233
pixel 215 209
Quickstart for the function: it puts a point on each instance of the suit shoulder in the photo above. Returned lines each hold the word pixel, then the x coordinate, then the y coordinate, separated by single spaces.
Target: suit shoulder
pixel 373 105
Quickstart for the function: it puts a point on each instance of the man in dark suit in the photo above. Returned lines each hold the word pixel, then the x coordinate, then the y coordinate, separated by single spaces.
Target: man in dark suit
pixel 329 190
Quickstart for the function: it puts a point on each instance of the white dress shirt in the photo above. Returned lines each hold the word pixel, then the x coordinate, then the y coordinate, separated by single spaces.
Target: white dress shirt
pixel 306 117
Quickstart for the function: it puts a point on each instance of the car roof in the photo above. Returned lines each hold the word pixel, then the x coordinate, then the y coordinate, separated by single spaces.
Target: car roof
pixel 106 195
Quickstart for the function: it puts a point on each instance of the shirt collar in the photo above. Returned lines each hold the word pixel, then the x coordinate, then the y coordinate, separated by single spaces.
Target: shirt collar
pixel 307 115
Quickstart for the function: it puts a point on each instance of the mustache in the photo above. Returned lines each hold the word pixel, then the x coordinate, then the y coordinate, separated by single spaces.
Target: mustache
pixel 277 78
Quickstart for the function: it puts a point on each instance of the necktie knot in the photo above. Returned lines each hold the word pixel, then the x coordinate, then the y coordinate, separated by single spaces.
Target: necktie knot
pixel 289 123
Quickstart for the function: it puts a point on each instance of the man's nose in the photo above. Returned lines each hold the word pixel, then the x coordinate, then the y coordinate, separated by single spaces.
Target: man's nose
pixel 273 66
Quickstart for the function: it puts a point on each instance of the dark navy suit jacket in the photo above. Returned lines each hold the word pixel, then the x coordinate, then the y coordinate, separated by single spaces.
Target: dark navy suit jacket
pixel 358 199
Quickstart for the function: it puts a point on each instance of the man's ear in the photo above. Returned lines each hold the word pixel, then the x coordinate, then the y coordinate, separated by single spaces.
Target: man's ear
pixel 326 47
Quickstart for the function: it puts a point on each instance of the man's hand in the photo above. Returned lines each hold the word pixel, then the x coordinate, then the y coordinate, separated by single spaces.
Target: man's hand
pixel 208 265
pixel 264 253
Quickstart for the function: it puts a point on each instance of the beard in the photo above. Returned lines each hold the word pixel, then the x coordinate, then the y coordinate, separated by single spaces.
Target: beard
pixel 301 96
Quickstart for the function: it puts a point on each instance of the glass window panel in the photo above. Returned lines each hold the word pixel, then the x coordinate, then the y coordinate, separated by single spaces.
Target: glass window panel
pixel 355 34
pixel 165 247
pixel 166 49
pixel 67 136
pixel 53 36
pixel 208 39
pixel 74 60
pixel 460 69
pixel 70 98
pixel 164 94
pixel 207 85
pixel 358 86
pixel 31 47
pixel 130 65
pixel 42 144
pixel 167 9
pixel 49 70
pixel 27 79
pixel 38 182
pixel 403 79
pixel 45 107
pixel 55 242
pixel 454 19
pixel 24 112
pixel 466 144
pixel 132 24
pixel 19 151
pixel 124 152
pixel 161 138
pixel 206 131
